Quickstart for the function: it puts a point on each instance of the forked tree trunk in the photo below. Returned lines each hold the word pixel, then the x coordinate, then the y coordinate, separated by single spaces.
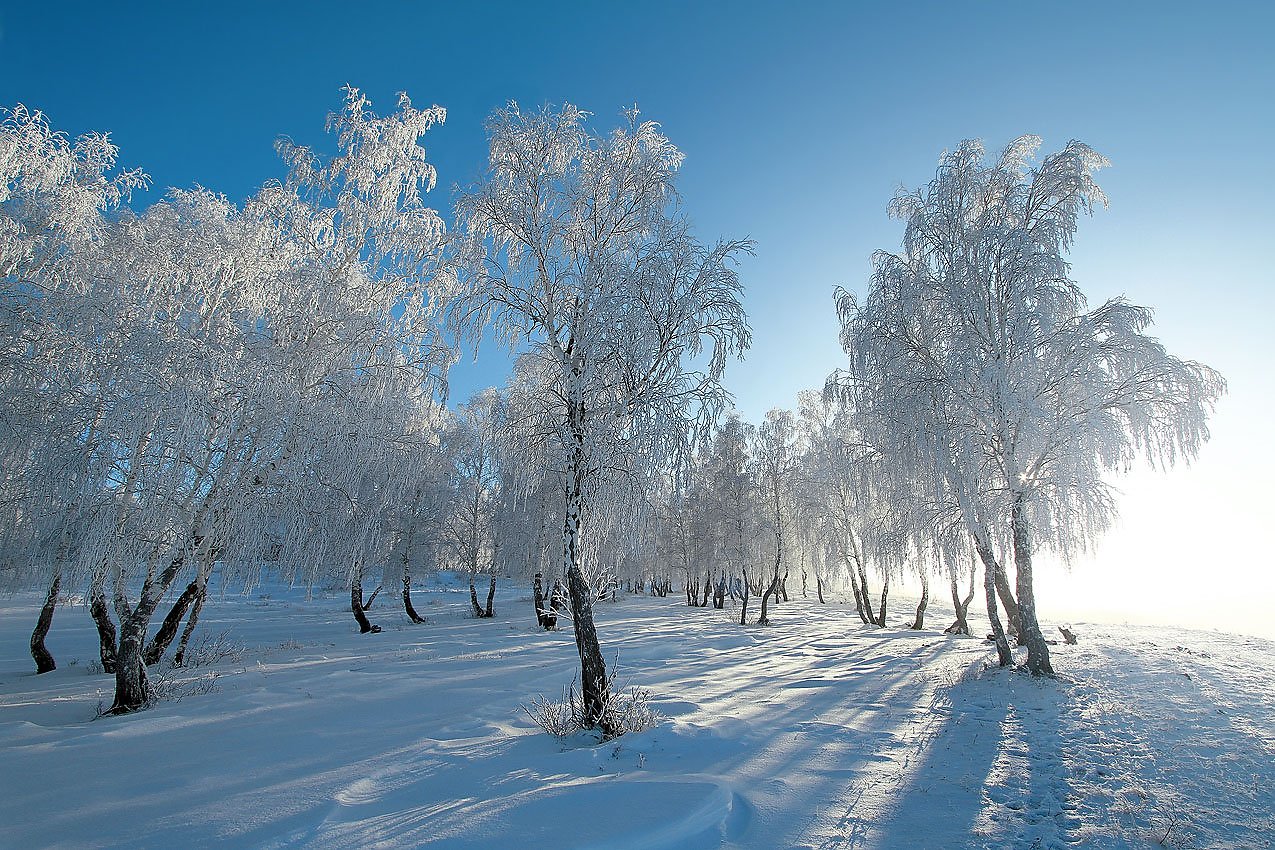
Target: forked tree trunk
pixel 1029 627
pixel 919 622
pixel 168 629
pixel 105 628
pixel 356 604
pixel 44 662
pixel 962 606
pixel 132 688
pixel 367 606
pixel 473 598
pixel 984 549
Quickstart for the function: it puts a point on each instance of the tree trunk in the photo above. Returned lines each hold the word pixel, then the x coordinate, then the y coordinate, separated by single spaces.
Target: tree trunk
pixel 867 595
pixel 473 598
pixel 783 587
pixel 179 657
pixel 595 687
pixel 407 591
pixel 885 591
pixel 491 597
pixel 859 596
pixel 819 591
pixel 367 606
pixel 763 620
pixel 1029 626
pixel 919 622
pixel 105 629
pixel 44 662
pixel 708 589
pixel 132 688
pixel 743 611
pixel 168 629
pixel 961 626
pixel 1003 653
pixel 1006 594
pixel 356 605
pixel 538 592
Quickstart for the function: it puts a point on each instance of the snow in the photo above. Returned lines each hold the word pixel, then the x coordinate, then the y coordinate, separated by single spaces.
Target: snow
pixel 815 732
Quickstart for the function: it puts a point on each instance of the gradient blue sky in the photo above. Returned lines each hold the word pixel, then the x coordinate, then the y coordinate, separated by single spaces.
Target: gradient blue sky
pixel 799 121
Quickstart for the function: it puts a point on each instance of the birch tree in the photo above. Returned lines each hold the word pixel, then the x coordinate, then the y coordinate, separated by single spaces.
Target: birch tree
pixel 1025 401
pixel 580 253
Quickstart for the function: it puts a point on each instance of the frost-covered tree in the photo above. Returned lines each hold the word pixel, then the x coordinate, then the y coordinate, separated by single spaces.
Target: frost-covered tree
pixel 55 200
pixel 580 254
pixel 472 448
pixel 212 346
pixel 1015 400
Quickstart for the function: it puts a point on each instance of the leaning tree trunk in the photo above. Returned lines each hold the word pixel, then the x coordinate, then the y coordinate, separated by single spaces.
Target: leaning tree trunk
pixel 356 603
pixel 179 657
pixel 1006 594
pixel 44 662
pixel 105 628
pixel 1037 648
pixel 407 588
pixel 473 597
pixel 771 590
pixel 1003 653
pixel 867 596
pixel 595 687
pixel 919 622
pixel 168 629
pixel 859 596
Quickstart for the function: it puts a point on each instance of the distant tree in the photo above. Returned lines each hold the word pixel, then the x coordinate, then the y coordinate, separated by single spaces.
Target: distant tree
pixel 581 254
pixel 777 463
pixel 1012 399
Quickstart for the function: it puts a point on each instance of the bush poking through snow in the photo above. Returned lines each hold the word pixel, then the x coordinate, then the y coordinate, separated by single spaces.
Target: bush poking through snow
pixel 211 649
pixel 166 687
pixel 629 710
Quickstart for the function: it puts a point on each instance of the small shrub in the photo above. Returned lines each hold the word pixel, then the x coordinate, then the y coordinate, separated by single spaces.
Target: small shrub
pixel 210 649
pixel 166 687
pixel 629 709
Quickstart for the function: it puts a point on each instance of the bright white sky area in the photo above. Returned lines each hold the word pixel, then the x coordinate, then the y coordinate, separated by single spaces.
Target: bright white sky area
pixel 799 122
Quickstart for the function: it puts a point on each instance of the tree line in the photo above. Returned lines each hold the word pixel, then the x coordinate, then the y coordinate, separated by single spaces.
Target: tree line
pixel 200 386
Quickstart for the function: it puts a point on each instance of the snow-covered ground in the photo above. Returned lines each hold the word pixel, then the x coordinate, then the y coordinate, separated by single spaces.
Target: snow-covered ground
pixel 815 732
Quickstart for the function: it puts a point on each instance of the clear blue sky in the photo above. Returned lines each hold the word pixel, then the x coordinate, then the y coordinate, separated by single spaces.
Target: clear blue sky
pixel 798 121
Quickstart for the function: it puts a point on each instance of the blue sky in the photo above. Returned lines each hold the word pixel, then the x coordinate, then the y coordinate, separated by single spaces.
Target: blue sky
pixel 798 120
